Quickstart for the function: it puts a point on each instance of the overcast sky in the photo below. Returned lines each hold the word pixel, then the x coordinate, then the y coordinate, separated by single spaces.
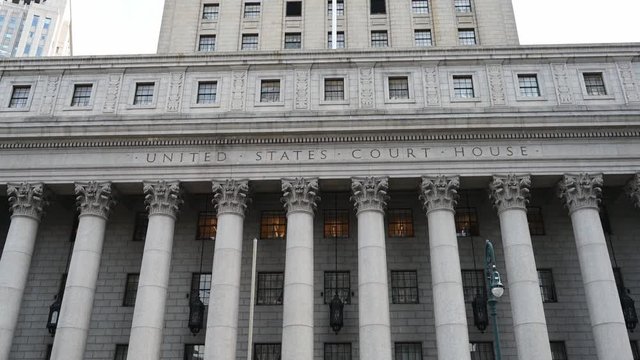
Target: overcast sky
pixel 132 26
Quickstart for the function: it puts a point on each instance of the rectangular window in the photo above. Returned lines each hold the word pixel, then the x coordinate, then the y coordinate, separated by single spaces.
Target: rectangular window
pixel 334 89
pixel 466 219
pixel 378 7
pixel 634 350
pixel 482 351
pixel 121 352
pixel 420 6
pixel 270 288
pixel 534 218
pixel 529 85
pixel 201 285
pixel 292 40
pixel 337 282
pixel 207 92
pixel 398 87
pixel 467 37
pixel 339 8
pixel 473 284
pixel 463 87
pixel 249 42
pixel 547 286
pixel 20 96
pixel 207 43
pixel 400 223
pixel 273 225
pixel 462 6
pixel 210 11
pixel 81 95
pixel 252 10
pixel 140 227
pixel 404 287
pixel 294 8
pixel 266 351
pixel 336 223
pixel 270 91
pixel 340 40
pixel 594 84
pixel 604 220
pixel 194 352
pixel 423 38
pixel 131 290
pixel 558 350
pixel 207 225
pixel 379 38
pixel 337 351
pixel 144 94
pixel 408 351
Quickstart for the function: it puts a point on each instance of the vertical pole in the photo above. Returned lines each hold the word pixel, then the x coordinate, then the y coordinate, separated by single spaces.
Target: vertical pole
pixel 334 24
pixel 253 298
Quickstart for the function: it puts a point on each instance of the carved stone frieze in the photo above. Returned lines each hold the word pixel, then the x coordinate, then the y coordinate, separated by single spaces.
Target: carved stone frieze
pixel 496 84
pixel 510 191
pixel 432 86
pixel 113 92
pixel 581 191
pixel 628 80
pixel 239 85
pixel 174 99
pixel 439 192
pixel 50 95
pixel 94 198
pixel 162 197
pixel 300 194
pixel 367 92
pixel 302 89
pixel 230 196
pixel 561 80
pixel 633 189
pixel 369 193
pixel 26 199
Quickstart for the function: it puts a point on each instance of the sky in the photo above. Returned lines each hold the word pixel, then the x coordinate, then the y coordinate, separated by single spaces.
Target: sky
pixel 132 27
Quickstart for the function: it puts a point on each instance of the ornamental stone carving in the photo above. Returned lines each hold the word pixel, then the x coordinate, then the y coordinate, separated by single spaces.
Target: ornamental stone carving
pixel 369 193
pixel 633 189
pixel 581 191
pixel 510 192
pixel 300 194
pixel 439 192
pixel 26 199
pixel 230 196
pixel 94 198
pixel 163 198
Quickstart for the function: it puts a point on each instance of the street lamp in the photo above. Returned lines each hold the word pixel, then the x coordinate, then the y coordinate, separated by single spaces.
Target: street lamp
pixel 495 290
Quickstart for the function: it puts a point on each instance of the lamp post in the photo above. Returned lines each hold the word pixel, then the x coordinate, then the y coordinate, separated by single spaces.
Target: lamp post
pixel 495 291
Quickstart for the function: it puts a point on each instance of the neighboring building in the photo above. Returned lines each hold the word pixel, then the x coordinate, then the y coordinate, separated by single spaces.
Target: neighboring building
pixel 419 151
pixel 34 28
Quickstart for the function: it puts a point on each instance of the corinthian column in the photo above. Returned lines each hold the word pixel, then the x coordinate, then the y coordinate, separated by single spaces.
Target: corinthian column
pixel 633 190
pixel 510 196
pixel 163 201
pixel 439 195
pixel 370 196
pixel 94 202
pixel 26 203
pixel 581 194
pixel 299 197
pixel 230 199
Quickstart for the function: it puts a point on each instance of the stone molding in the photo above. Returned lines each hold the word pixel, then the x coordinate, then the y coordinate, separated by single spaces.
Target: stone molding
pixel 369 193
pixel 633 189
pixel 439 192
pixel 581 191
pixel 26 199
pixel 163 198
pixel 94 198
pixel 300 195
pixel 510 191
pixel 230 196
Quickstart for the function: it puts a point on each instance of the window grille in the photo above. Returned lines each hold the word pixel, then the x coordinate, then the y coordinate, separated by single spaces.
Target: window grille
pixel 334 89
pixel 273 225
pixel 398 87
pixel 270 288
pixel 467 37
pixel 81 95
pixel 270 91
pixel 266 351
pixel 207 225
pixel 207 92
pixel 473 283
pixel 210 11
pixel 420 6
pixel 529 85
pixel 547 286
pixel 423 38
pixel 140 227
pixel 207 43
pixel 594 83
pixel 201 284
pixel 404 287
pixel 340 40
pixel 535 220
pixel 339 281
pixel 251 10
pixel 463 6
pixel 131 290
pixel 292 40
pixel 408 351
pixel 379 38
pixel 466 219
pixel 400 223
pixel 337 351
pixel 249 42
pixel 144 94
pixel 194 352
pixel 339 8
pixel 19 96
pixel 121 352
pixel 558 350
pixel 336 223
pixel 482 351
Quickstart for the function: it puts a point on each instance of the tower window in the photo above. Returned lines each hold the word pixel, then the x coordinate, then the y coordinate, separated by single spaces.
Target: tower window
pixel 270 91
pixel 121 352
pixel 339 42
pixel 466 220
pixel 251 10
pixel 337 351
pixel 378 7
pixel 144 94
pixel 339 7
pixel 201 285
pixel 423 38
pixel 292 40
pixel 81 95
pixel 19 96
pixel 420 6
pixel 534 218
pixel 273 225
pixel 634 350
pixel 210 11
pixel 398 88
pixel 270 288
pixel 337 281
pixel 266 351
pixel 334 91
pixel 482 350
pixel 473 284
pixel 547 286
pixel 140 228
pixel 379 38
pixel 529 85
pixel 131 290
pixel 404 287
pixel 409 351
pixel 400 223
pixel 594 84
pixel 462 6
pixel 558 350
pixel 194 351
pixel 207 92
pixel 467 37
pixel 207 43
pixel 249 42
pixel 207 225
pixel 294 8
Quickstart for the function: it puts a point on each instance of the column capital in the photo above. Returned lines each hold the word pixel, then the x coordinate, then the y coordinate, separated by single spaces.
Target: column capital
pixel 26 199
pixel 439 192
pixel 230 196
pixel 300 194
pixel 94 198
pixel 633 189
pixel 510 191
pixel 580 191
pixel 369 193
pixel 163 197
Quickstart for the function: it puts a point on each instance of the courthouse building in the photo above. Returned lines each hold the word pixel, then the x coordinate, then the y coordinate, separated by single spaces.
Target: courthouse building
pixel 371 176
